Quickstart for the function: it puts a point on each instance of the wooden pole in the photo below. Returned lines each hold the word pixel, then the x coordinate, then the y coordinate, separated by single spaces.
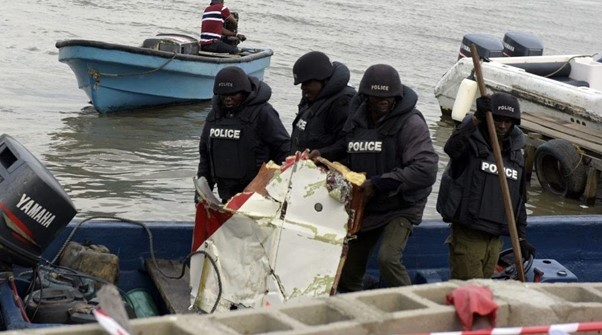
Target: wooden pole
pixel 518 259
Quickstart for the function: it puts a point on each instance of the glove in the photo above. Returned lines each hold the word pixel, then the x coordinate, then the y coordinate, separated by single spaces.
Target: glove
pixel 314 154
pixel 526 249
pixel 483 106
pixel 367 188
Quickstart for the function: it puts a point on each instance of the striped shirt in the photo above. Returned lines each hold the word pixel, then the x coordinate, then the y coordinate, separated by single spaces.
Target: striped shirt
pixel 213 22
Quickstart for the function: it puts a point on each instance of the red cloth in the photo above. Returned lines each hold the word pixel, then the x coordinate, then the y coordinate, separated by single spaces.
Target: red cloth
pixel 470 300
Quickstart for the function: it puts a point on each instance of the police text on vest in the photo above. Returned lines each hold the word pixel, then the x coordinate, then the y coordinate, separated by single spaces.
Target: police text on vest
pixel 492 168
pixel 224 133
pixel 365 146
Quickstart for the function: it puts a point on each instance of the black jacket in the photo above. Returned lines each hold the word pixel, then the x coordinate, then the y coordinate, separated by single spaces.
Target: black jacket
pixel 318 125
pixel 409 160
pixel 470 193
pixel 234 144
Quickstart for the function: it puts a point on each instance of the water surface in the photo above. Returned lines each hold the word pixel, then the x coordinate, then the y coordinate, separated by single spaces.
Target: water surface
pixel 139 165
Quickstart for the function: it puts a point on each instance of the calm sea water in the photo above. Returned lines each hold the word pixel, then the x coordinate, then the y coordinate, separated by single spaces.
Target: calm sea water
pixel 139 165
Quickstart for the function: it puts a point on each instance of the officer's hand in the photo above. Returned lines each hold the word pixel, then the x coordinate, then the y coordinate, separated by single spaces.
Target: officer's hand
pixel 241 37
pixel 526 249
pixel 367 188
pixel 483 106
pixel 314 154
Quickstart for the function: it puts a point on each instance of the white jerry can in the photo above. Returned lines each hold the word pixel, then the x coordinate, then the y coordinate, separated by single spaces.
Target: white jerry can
pixel 467 93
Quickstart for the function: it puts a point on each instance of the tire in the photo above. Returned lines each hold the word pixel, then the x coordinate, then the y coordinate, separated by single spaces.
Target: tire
pixel 560 169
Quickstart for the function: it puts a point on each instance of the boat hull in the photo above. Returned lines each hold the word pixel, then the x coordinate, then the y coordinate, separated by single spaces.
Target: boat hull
pixel 571 240
pixel 568 240
pixel 537 94
pixel 117 77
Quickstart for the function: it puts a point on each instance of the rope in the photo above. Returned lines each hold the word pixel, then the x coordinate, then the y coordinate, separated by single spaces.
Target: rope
pixel 97 74
pixel 152 252
pixel 567 63
pixel 581 155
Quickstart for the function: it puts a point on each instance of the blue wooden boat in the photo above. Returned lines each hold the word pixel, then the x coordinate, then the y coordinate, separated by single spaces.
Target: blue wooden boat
pixel 568 251
pixel 51 265
pixel 167 69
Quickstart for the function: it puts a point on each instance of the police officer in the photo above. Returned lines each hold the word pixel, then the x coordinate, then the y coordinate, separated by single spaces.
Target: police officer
pixel 389 140
pixel 470 195
pixel 324 104
pixel 242 131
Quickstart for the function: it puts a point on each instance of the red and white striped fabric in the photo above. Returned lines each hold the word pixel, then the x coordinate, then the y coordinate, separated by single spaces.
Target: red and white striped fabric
pixel 565 328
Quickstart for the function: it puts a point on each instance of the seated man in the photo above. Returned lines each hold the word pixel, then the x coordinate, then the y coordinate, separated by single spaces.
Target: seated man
pixel 212 29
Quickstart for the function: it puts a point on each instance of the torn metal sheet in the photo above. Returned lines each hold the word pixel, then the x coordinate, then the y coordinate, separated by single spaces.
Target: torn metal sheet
pixel 280 242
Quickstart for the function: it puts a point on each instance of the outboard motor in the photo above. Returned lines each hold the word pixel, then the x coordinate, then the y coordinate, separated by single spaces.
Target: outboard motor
pixel 522 44
pixel 34 208
pixel 177 43
pixel 487 46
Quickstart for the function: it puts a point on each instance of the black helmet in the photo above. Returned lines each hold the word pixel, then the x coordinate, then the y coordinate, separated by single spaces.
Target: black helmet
pixel 230 80
pixel 381 80
pixel 314 65
pixel 504 104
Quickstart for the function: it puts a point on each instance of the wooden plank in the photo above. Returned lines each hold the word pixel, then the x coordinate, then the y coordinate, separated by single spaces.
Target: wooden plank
pixel 218 54
pixel 549 130
pixel 591 188
pixel 567 124
pixel 569 128
pixel 175 292
pixel 587 131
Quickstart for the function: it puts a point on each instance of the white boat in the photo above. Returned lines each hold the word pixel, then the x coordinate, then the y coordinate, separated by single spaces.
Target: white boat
pixel 560 98
pixel 564 87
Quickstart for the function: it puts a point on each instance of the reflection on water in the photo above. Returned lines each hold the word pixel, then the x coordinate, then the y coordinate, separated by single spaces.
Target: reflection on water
pixel 140 158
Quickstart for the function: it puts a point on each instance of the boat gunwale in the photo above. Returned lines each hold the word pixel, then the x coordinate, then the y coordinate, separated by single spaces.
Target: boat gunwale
pixel 163 54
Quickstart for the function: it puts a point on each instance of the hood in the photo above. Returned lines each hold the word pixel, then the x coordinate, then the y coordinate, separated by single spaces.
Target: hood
pixel 337 82
pixel 403 106
pixel 260 94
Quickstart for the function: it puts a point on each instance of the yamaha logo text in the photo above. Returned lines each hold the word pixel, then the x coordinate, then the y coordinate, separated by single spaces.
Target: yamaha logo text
pixel 35 211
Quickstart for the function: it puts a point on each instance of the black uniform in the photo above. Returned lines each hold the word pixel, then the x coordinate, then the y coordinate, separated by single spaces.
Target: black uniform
pixel 470 197
pixel 318 125
pixel 235 144
pixel 398 157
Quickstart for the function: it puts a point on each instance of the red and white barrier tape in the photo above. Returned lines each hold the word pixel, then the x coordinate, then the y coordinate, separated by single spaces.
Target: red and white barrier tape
pixel 566 327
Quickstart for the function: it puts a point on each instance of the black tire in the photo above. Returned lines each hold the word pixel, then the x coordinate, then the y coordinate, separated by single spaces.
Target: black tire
pixel 560 169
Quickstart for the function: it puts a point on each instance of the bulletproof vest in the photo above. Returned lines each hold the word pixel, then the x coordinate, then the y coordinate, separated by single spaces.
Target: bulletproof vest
pixel 232 143
pixel 375 151
pixel 475 197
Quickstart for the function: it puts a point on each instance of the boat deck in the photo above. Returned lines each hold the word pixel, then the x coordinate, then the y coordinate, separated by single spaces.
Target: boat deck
pixel 175 292
pixel 588 141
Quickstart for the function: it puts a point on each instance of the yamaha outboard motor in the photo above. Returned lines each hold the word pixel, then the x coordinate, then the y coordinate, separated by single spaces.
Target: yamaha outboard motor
pixel 34 208
pixel 522 44
pixel 487 46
